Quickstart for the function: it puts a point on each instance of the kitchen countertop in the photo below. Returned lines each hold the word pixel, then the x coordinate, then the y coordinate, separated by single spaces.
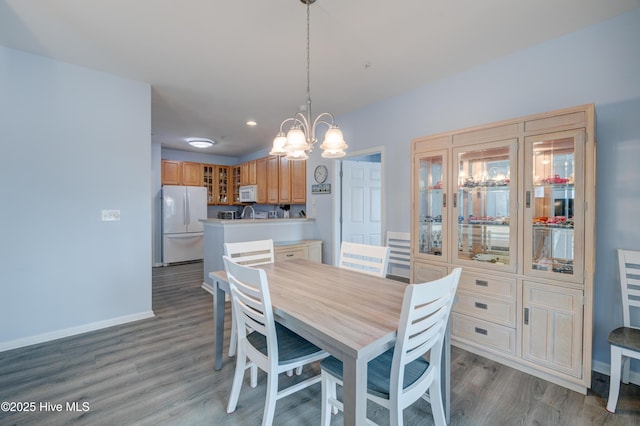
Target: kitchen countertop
pixel 213 221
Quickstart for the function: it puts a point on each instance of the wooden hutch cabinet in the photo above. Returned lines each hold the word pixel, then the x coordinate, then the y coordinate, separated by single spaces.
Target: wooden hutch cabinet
pixel 513 204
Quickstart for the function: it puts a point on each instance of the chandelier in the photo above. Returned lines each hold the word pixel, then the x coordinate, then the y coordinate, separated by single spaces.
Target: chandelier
pixel 301 134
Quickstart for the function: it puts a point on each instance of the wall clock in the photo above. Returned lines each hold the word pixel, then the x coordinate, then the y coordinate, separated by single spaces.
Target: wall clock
pixel 321 173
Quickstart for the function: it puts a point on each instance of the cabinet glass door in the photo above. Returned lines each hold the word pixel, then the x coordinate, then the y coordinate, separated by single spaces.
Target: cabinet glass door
pixel 431 205
pixel 485 206
pixel 554 206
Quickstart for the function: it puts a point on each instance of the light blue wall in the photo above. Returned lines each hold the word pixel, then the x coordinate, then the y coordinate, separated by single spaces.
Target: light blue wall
pixel 72 142
pixel 600 65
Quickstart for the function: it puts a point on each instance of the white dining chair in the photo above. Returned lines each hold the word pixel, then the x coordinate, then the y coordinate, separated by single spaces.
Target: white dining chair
pixel 261 341
pixel 402 375
pixel 250 253
pixel 369 259
pixel 625 340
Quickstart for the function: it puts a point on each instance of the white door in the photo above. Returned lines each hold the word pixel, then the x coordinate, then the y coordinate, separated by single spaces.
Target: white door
pixel 362 202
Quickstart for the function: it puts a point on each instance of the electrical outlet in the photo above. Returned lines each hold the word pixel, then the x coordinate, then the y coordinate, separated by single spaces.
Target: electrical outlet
pixel 110 215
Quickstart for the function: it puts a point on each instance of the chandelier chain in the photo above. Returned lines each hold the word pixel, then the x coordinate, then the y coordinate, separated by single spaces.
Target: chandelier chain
pixel 308 57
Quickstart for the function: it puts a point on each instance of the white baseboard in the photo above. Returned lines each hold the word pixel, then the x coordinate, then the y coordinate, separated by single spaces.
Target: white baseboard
pixel 59 334
pixel 603 368
pixel 207 287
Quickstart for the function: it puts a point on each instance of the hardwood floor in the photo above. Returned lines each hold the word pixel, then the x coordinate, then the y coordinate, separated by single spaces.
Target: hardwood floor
pixel 160 371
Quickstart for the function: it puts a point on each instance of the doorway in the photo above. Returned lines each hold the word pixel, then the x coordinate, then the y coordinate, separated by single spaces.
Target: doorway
pixel 360 194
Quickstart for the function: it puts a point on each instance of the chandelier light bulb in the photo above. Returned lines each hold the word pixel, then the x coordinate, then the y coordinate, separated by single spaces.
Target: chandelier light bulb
pixel 296 140
pixel 278 144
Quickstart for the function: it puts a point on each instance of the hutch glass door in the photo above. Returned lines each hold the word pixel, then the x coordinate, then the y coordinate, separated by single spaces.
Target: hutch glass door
pixel 431 204
pixel 485 206
pixel 554 205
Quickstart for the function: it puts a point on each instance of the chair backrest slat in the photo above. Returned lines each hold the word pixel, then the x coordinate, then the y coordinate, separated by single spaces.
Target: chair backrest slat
pixel 252 253
pixel 364 258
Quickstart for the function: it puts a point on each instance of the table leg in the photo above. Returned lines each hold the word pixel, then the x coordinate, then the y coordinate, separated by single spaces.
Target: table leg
pixel 218 323
pixel 354 391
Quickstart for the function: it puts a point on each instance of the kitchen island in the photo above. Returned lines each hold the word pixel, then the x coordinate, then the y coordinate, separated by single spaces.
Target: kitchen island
pixel 294 237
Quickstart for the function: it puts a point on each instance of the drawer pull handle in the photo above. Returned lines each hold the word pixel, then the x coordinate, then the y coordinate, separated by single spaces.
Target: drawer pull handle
pixel 290 255
pixel 481 331
pixel 481 305
pixel 482 283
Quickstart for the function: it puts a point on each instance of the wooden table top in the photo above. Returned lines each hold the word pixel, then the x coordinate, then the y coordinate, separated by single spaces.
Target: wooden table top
pixel 347 313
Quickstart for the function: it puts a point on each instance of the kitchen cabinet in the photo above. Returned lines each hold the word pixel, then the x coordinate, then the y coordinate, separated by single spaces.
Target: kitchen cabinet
pixel 273 181
pixel 208 180
pixel 298 182
pixel 305 249
pixel 513 204
pixel 171 172
pixel 284 181
pixel 217 180
pixel 191 174
pixel 181 173
pixel 278 180
pixel 261 179
pixel 248 173
pixel 236 173
pixel 222 185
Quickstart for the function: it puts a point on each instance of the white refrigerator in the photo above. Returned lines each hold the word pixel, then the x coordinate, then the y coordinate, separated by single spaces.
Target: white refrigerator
pixel 182 231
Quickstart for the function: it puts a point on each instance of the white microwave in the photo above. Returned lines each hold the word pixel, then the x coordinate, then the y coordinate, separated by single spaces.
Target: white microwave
pixel 248 193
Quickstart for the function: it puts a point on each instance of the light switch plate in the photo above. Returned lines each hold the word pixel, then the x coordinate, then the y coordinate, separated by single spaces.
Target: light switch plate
pixel 110 215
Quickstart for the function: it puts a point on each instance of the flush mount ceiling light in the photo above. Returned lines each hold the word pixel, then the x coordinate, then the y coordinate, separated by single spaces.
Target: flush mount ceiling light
pixel 252 123
pixel 200 142
pixel 301 135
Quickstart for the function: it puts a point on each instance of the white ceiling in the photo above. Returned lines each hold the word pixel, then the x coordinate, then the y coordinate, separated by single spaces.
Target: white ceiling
pixel 214 64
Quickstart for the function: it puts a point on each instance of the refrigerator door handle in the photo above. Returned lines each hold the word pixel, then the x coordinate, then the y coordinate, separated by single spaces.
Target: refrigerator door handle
pixel 188 215
pixel 184 208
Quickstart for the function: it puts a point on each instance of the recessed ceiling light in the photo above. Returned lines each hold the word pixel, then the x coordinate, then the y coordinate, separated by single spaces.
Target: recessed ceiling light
pixel 251 123
pixel 200 142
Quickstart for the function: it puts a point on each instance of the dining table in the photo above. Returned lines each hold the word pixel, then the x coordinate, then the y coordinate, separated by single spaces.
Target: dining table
pixel 353 316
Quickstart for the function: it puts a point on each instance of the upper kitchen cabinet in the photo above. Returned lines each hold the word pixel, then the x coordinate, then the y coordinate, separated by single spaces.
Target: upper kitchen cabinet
pixel 261 179
pixel 236 176
pixel 248 173
pixel 513 204
pixel 284 181
pixel 171 172
pixel 298 182
pixel 273 181
pixel 182 173
pixel 191 174
pixel 208 179
pixel 222 185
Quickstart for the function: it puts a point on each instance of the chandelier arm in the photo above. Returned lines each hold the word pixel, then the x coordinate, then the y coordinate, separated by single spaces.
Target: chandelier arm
pixel 319 119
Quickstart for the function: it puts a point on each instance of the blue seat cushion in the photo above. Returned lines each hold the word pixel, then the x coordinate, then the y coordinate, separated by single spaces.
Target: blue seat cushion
pixel 379 372
pixel 290 345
